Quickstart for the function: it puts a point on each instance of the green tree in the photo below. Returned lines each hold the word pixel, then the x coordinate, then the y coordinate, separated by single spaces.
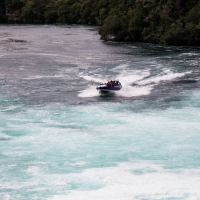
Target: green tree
pixel 103 6
pixel 50 13
pixel 68 11
pixel 2 12
pixel 112 28
pixel 33 11
pixel 89 11
pixel 171 22
pixel 175 35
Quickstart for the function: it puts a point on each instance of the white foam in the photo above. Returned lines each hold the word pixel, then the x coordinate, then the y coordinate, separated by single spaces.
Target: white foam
pixel 89 92
pixel 162 77
pixel 121 67
pixel 92 78
pixel 189 54
pixel 132 77
pixel 45 54
pixel 4 136
pixel 124 182
pixel 34 170
pixel 130 91
pixel 93 58
pixel 42 77
pixel 9 108
pixel 126 79
pixel 134 82
pixel 3 54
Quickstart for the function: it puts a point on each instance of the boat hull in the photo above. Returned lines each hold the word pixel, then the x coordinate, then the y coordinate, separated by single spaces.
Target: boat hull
pixel 106 88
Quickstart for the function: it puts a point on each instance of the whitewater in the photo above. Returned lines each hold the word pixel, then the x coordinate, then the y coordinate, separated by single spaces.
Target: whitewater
pixel 61 139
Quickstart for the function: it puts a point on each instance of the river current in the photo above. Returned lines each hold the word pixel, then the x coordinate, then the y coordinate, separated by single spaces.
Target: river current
pixel 61 139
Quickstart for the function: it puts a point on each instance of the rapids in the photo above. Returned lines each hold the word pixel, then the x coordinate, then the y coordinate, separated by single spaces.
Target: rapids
pixel 61 139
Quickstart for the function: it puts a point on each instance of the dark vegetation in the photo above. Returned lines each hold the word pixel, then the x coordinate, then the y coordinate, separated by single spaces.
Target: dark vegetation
pixel 170 22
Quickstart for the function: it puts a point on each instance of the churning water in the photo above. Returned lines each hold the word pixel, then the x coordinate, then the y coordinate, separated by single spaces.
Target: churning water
pixel 60 139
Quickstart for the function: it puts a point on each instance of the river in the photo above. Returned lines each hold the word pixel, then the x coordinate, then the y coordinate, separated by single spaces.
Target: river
pixel 61 139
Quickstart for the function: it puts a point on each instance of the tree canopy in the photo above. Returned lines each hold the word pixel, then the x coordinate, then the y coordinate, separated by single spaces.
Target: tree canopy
pixel 170 22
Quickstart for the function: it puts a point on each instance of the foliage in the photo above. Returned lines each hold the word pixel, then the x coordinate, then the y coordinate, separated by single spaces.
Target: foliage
pixel 170 22
pixel 2 11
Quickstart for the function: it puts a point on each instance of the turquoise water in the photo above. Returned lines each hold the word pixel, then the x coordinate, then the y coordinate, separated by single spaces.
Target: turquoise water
pixel 61 139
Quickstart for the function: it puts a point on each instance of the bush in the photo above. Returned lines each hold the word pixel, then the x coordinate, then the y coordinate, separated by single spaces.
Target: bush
pixel 112 28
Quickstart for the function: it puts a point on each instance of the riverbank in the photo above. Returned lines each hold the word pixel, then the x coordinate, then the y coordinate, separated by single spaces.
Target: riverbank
pixel 162 22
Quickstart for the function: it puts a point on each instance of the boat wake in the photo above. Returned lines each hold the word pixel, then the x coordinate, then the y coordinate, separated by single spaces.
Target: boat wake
pixel 135 82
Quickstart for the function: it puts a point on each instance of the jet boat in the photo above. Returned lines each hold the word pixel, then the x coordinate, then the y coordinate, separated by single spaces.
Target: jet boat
pixel 109 86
